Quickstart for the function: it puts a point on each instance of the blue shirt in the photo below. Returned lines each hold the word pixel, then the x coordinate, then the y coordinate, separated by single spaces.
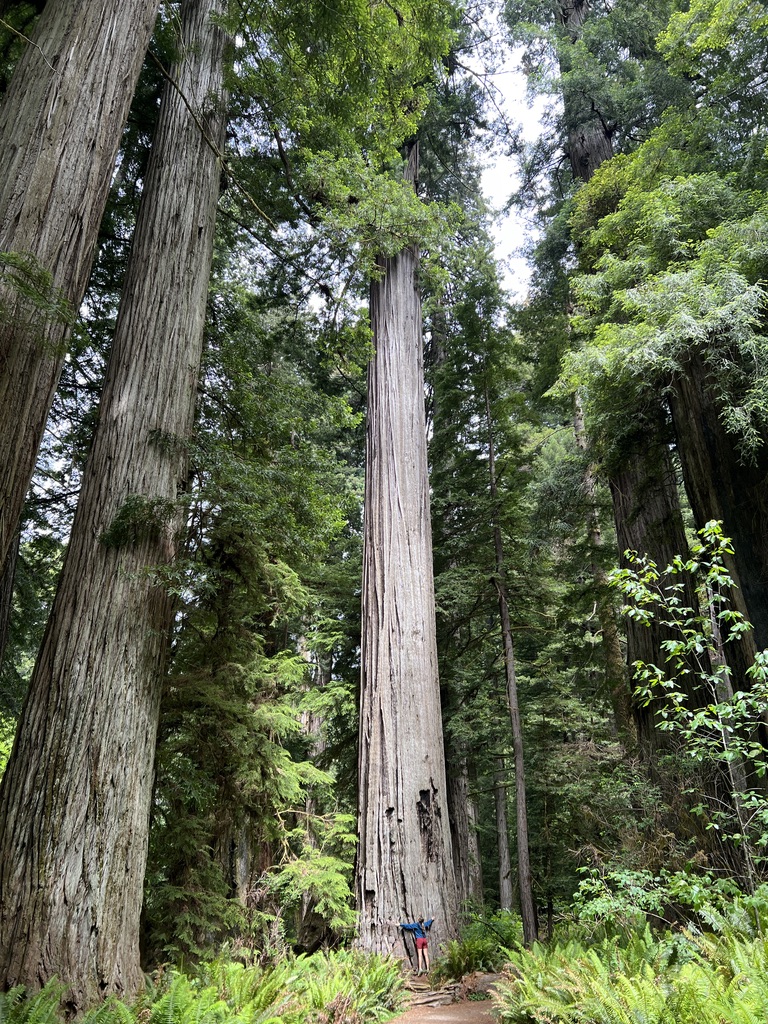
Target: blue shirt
pixel 419 930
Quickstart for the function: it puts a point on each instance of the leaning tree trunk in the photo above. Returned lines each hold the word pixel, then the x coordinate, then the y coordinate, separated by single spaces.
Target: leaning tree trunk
pixel 61 122
pixel 74 802
pixel 404 865
pixel 649 520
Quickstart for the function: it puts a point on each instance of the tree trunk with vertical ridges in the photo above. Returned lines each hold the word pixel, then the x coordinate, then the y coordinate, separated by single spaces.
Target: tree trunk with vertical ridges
pixel 405 865
pixel 75 798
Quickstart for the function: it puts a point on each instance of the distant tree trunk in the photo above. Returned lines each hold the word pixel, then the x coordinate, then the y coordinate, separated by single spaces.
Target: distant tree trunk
pixel 61 121
pixel 74 801
pixel 464 819
pixel 502 835
pixel 589 141
pixel 7 576
pixel 525 882
pixel 405 864
pixel 616 677
pixel 589 145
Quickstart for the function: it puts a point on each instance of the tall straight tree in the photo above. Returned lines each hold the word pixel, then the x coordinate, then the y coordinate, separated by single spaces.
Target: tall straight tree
pixel 524 878
pixel 61 122
pixel 74 801
pixel 405 863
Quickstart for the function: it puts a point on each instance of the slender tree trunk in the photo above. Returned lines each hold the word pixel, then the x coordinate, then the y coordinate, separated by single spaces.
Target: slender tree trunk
pixel 502 835
pixel 405 864
pixel 74 802
pixel 464 821
pixel 525 882
pixel 61 123
pixel 616 680
pixel 7 577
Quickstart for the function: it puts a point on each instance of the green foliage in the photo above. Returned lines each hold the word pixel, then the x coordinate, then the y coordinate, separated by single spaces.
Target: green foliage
pixel 33 297
pixel 247 841
pixel 139 517
pixel 680 978
pixel 319 869
pixel 465 956
pixel 343 987
pixel 623 898
pixel 721 732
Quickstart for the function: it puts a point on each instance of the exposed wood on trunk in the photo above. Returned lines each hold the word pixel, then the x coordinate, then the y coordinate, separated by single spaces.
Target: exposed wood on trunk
pixel 74 802
pixel 61 121
pixel 405 863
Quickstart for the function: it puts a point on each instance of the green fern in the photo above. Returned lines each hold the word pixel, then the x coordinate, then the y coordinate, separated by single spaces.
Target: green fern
pixel 40 1008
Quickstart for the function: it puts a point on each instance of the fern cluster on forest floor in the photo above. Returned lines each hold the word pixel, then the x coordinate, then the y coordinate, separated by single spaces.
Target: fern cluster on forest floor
pixel 712 970
pixel 335 988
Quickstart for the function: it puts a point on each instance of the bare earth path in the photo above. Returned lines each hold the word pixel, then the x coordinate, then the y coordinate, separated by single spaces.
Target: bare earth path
pixel 468 1011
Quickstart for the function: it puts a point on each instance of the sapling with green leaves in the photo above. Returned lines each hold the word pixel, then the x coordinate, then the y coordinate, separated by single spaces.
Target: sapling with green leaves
pixel 721 732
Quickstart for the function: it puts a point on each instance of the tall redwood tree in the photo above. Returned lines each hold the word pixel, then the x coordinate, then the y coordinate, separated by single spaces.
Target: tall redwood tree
pixel 60 123
pixel 405 863
pixel 74 801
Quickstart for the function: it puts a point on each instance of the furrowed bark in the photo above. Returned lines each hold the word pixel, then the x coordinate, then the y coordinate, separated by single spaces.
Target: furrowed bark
pixel 61 122
pixel 405 864
pixel 74 801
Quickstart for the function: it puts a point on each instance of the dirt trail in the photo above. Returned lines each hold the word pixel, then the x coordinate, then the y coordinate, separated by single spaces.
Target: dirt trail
pixel 468 1011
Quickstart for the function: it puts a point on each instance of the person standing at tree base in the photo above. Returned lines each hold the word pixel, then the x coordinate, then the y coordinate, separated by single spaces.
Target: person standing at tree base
pixel 420 929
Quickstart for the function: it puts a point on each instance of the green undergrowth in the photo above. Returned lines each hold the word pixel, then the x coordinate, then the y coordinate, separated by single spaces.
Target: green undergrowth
pixel 713 970
pixel 483 947
pixel 335 988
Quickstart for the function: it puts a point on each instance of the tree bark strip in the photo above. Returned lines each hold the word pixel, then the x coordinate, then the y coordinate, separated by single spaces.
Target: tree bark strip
pixel 74 801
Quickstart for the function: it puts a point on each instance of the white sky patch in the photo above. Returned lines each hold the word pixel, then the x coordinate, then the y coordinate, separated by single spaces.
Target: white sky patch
pixel 500 179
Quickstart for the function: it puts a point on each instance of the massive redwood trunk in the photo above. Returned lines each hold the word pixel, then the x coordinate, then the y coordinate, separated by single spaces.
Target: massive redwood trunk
pixel 74 801
pixel 724 483
pixel 405 865
pixel 649 520
pixel 61 122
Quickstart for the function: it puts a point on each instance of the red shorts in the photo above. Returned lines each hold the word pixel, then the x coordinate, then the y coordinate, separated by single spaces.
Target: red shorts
pixel 421 943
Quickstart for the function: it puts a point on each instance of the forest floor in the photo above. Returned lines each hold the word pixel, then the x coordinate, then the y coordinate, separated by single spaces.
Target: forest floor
pixel 468 1011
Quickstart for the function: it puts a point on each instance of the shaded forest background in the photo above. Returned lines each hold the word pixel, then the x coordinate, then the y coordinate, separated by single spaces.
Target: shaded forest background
pixel 621 406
